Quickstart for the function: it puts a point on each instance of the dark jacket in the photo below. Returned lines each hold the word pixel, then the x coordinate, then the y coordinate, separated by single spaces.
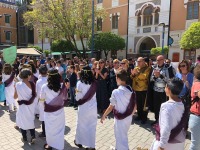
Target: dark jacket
pixel 73 79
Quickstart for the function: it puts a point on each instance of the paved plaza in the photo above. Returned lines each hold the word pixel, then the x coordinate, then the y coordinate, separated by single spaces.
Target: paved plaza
pixel 139 135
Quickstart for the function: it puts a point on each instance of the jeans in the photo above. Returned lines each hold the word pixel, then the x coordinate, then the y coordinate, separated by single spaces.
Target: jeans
pixel 32 131
pixel 72 95
pixel 194 126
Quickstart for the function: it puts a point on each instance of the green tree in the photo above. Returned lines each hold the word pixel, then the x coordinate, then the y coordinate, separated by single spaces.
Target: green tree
pixel 158 50
pixel 107 42
pixel 62 46
pixel 60 19
pixel 191 37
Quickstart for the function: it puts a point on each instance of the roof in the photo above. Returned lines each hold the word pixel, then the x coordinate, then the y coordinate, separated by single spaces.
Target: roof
pixel 28 51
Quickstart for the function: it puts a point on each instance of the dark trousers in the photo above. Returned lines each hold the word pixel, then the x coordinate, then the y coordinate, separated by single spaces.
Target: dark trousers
pixel 72 95
pixel 32 131
pixel 140 99
pixel 43 128
pixel 159 98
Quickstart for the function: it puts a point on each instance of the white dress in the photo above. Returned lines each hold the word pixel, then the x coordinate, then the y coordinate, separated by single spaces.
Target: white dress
pixel 9 91
pixel 170 115
pixel 120 99
pixel 87 118
pixel 54 121
pixel 25 114
pixel 40 104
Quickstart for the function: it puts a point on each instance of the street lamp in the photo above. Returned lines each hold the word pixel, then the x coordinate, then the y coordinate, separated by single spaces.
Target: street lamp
pixel 92 47
pixel 163 34
pixel 0 29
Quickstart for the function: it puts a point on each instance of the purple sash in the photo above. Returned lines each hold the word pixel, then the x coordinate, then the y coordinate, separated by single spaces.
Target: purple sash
pixel 90 93
pixel 174 132
pixel 129 109
pixel 58 102
pixel 30 101
pixel 33 79
pixel 10 80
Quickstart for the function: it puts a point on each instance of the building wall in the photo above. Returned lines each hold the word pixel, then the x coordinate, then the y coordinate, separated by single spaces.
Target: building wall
pixel 179 24
pixel 138 34
pixel 9 10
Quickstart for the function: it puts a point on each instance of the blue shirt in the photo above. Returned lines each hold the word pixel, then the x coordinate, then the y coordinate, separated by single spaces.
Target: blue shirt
pixel 2 92
pixel 190 77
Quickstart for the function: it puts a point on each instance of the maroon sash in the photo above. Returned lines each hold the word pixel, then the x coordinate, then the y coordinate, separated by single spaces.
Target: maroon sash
pixel 129 109
pixel 30 101
pixel 90 93
pixel 58 102
pixel 174 132
pixel 9 80
pixel 33 79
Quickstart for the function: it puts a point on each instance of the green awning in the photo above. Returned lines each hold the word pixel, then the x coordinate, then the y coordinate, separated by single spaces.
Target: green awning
pixel 55 53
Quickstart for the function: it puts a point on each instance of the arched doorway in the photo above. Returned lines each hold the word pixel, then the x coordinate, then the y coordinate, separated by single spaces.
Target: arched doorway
pixel 146 45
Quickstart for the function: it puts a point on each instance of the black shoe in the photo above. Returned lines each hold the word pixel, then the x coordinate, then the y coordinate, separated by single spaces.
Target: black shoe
pixel 78 145
pixel 24 140
pixel 155 122
pixel 137 119
pixel 75 106
pixel 32 140
pixel 42 135
pixel 90 149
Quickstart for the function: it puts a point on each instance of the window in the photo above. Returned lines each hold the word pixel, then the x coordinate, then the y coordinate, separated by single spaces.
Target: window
pixel 99 24
pixel 7 18
pixel 139 21
pixel 115 3
pixel 156 17
pixel 8 36
pixel 148 16
pixel 193 10
pixel 115 22
pixel 99 1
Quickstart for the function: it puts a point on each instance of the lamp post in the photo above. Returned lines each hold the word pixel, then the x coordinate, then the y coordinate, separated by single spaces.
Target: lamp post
pixel 92 47
pixel 163 35
pixel 0 29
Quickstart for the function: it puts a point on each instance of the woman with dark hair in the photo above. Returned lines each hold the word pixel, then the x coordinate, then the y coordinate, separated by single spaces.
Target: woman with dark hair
pixel 102 90
pixel 25 92
pixel 8 79
pixel 34 72
pixel 54 117
pixel 87 110
pixel 185 75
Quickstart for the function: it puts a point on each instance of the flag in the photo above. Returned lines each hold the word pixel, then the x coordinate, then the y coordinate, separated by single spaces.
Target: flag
pixel 10 54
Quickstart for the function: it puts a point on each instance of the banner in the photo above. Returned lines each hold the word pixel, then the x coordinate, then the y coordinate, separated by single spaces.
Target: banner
pixel 10 54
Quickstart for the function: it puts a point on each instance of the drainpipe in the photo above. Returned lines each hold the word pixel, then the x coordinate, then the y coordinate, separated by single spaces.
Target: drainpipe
pixel 127 30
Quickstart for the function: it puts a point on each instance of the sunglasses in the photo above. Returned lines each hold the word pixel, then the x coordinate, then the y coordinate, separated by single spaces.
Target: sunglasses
pixel 122 63
pixel 182 66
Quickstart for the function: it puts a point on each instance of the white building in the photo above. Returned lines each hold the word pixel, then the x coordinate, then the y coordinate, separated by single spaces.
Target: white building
pixel 144 32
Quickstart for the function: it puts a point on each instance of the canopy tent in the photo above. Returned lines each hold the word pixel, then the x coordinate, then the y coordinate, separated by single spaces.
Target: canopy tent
pixel 59 53
pixel 28 51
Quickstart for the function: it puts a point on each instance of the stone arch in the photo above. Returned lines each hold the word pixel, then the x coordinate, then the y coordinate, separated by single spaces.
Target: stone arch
pixel 145 39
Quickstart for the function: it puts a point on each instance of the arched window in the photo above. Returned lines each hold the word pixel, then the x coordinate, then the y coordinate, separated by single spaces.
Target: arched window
pixel 148 18
pixel 139 21
pixel 157 16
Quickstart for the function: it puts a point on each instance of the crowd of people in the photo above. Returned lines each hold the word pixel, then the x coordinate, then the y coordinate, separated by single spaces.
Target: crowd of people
pixel 42 87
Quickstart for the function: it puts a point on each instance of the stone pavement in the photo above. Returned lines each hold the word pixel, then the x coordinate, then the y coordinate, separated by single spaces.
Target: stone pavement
pixel 139 135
